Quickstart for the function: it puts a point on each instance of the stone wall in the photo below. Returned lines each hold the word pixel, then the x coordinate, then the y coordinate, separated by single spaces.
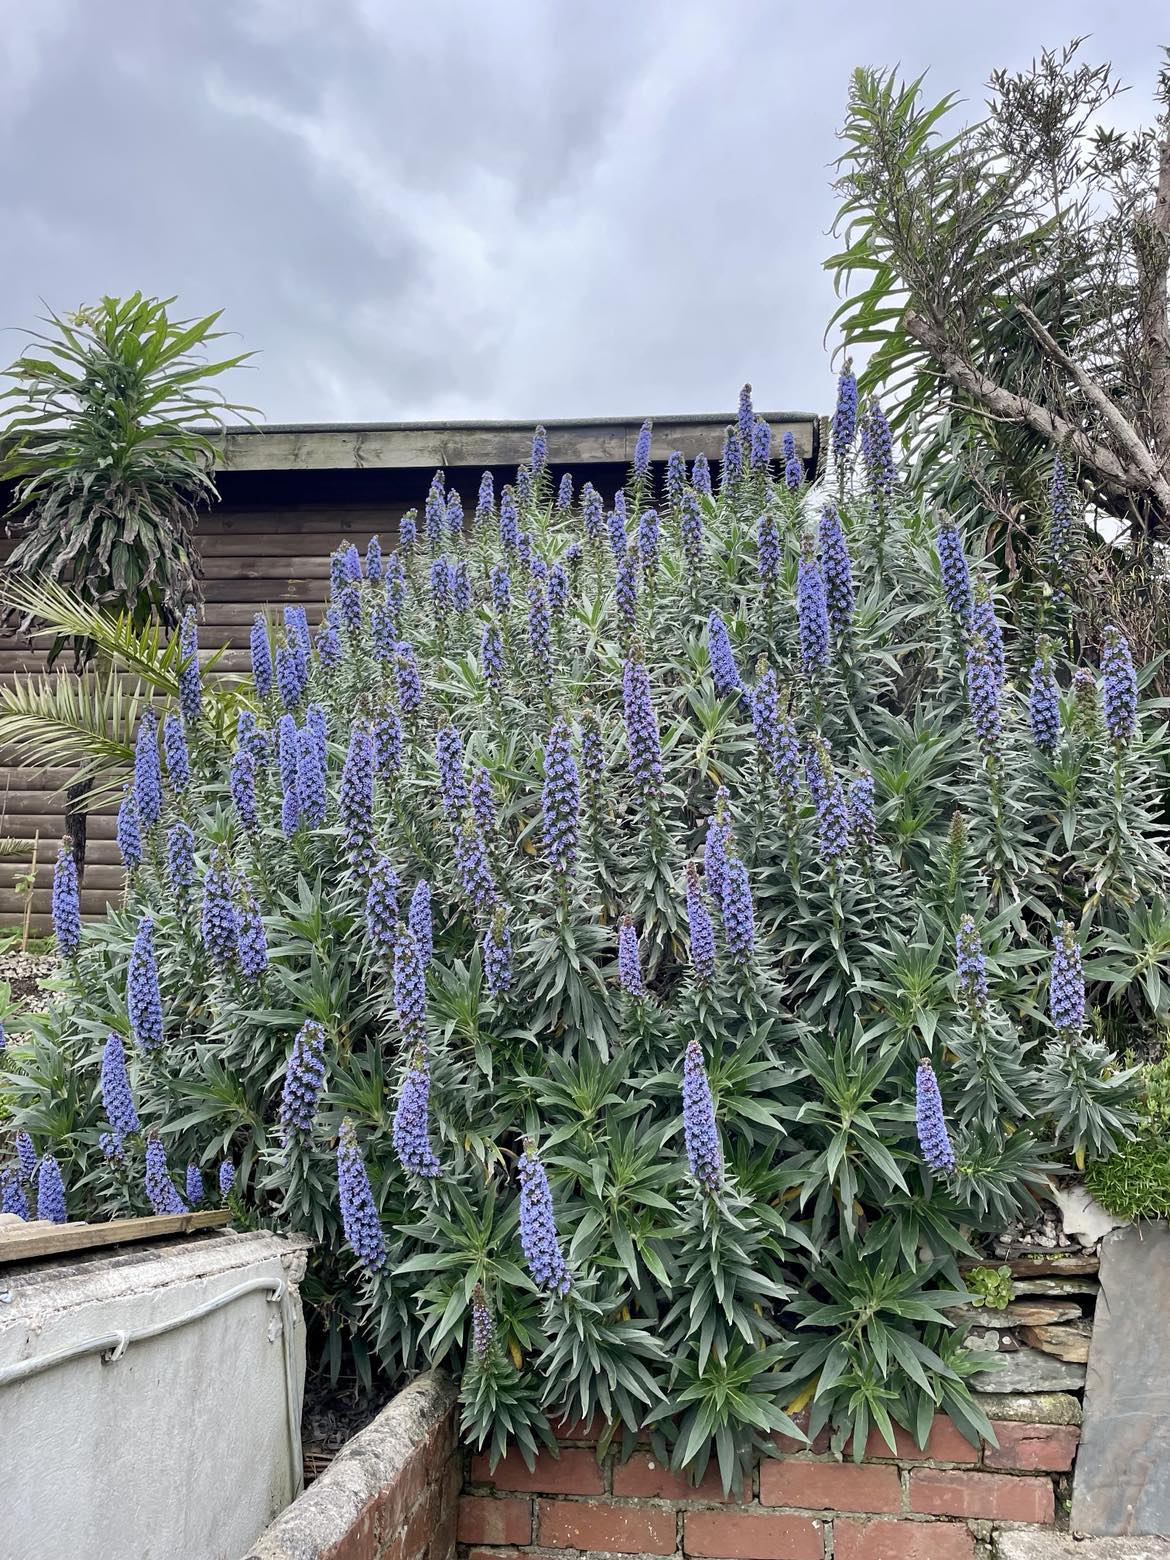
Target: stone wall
pixel 941 1503
pixel 389 1494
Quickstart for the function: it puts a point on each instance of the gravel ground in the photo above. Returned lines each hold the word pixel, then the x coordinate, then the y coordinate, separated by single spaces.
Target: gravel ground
pixel 23 972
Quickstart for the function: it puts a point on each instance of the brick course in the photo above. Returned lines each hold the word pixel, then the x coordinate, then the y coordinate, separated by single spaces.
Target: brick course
pixel 886 1540
pixel 924 1503
pixel 599 1524
pixel 945 1493
pixel 751 1535
pixel 1047 1448
pixel 575 1472
pixel 830 1486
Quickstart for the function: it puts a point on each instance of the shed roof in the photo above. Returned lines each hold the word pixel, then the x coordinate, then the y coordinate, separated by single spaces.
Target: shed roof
pixel 571 440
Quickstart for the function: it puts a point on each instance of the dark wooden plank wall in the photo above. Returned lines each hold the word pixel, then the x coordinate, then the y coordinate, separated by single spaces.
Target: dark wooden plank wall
pixel 268 542
pixel 252 556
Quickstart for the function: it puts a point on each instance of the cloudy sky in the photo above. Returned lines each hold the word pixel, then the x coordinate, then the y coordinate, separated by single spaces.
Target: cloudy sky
pixel 460 209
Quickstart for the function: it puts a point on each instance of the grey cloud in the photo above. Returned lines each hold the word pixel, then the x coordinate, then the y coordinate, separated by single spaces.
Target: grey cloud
pixel 519 209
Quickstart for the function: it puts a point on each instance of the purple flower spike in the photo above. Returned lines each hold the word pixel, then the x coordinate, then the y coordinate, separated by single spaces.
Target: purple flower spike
pixel 409 683
pixel 382 907
pixel 261 656
pixel 26 1156
pixel 412 1123
pixel 739 923
pixel 219 920
pixel 1044 704
pixel 497 955
pixel 178 760
pixel 420 921
pixel 356 798
pixel 724 672
pixel 629 960
pixel 932 1128
pixel 984 694
pixel 51 1192
pixel 190 685
pixel 475 873
pixel 746 417
pixel 12 1197
pixel 716 848
pixel 731 461
pixel 626 588
pixel 837 569
pixel 117 1100
pixel 561 800
pixel 760 445
pixel 483 1328
pixel 304 1078
pixel 793 465
pixel 844 425
pixel 1066 985
pixel 642 738
pixel 539 1239
pixel 768 549
pixel 410 990
pixel 128 834
pixel 452 780
pixel 700 1133
pixel 1119 689
pixel 66 904
pixel 618 541
pixel 956 576
pixel 642 453
pixel 359 1215
pixel 812 609
pixel 702 933
pixel 252 943
pixel 147 772
pixel 160 1189
pixel 691 531
pixel 143 1001
pixel 971 966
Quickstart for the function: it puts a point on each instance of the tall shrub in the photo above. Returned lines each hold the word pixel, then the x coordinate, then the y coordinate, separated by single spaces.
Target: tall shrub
pixel 642 944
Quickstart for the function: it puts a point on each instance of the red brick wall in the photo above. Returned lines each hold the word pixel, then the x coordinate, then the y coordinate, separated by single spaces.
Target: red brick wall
pixel 922 1505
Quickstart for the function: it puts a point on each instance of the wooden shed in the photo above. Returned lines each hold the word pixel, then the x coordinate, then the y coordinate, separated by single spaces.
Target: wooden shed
pixel 289 495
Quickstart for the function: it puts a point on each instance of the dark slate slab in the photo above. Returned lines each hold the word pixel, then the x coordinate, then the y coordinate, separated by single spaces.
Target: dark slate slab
pixel 1122 1481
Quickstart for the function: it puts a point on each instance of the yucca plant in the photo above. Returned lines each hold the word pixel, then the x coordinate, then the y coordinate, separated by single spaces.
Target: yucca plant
pixel 110 449
pixel 109 446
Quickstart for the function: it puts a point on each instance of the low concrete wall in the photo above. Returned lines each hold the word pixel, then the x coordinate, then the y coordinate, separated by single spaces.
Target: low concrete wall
pixel 391 1493
pixel 182 1444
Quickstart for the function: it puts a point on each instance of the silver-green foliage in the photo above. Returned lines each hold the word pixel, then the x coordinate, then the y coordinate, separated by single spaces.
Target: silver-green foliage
pixel 819 1270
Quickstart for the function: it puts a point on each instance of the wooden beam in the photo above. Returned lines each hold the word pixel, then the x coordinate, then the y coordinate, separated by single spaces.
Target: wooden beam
pixel 574 442
pixel 28 1243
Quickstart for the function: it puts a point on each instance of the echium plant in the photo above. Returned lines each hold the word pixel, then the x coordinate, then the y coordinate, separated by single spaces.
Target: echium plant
pixel 588 956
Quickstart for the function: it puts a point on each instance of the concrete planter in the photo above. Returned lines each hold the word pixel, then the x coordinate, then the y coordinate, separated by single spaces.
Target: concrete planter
pixel 150 1398
pixel 391 1493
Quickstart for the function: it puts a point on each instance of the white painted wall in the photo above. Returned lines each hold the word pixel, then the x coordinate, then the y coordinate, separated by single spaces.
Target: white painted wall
pixel 186 1446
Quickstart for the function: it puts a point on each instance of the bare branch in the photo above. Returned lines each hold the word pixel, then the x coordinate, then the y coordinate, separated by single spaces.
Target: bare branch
pixel 1152 254
pixel 1009 406
pixel 1128 439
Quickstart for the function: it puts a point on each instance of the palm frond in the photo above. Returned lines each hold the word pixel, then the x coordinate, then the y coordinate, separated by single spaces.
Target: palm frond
pixel 84 723
pixel 51 608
